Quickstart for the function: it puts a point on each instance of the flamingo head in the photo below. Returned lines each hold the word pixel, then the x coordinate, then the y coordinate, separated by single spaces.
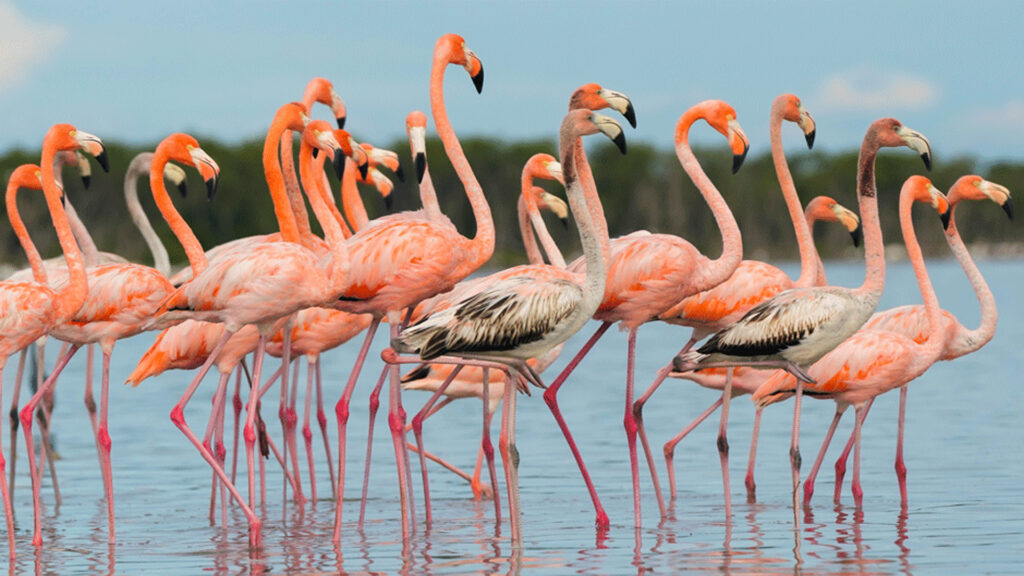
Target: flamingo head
pixel 293 115
pixel 67 137
pixel 185 149
pixel 77 159
pixel 385 158
pixel 544 166
pixel 793 111
pixel 319 136
pixel 452 49
pixel 352 149
pixel 974 187
pixel 922 190
pixel 416 126
pixel 827 209
pixel 890 132
pixel 594 97
pixel 546 201
pixel 722 117
pixel 383 185
pixel 321 90
pixel 26 176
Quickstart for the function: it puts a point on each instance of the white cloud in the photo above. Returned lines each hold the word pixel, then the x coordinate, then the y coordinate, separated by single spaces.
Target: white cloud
pixel 874 91
pixel 1007 117
pixel 23 45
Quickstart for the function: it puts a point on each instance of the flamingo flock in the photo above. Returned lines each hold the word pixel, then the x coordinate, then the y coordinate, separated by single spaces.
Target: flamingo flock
pixel 292 293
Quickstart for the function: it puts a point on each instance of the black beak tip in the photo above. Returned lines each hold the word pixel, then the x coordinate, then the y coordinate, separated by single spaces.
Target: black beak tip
pixel 341 122
pixel 211 188
pixel 338 163
pixel 737 160
pixel 927 161
pixel 945 219
pixel 421 166
pixel 810 138
pixel 400 174
pixel 858 236
pixel 183 189
pixel 389 203
pixel 86 180
pixel 620 141
pixel 630 115
pixel 478 80
pixel 364 170
pixel 565 222
pixel 103 160
pixel 316 152
pixel 1008 208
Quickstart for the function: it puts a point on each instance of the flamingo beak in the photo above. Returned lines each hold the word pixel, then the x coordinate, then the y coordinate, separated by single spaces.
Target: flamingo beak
pixel 95 147
pixel 809 127
pixel 475 69
pixel 1008 207
pixel 918 143
pixel 739 143
pixel 621 103
pixel 421 166
pixel 389 203
pixel 611 129
pixel 858 235
pixel 208 169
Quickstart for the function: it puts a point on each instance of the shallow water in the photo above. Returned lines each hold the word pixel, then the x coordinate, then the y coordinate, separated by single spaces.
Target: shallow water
pixel 963 452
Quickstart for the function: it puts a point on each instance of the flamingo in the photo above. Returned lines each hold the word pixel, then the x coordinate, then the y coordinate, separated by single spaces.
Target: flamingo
pixel 256 283
pixel 746 380
pixel 122 297
pixel 398 263
pixel 649 273
pixel 912 320
pixel 524 311
pixel 795 328
pixel 872 362
pixel 32 308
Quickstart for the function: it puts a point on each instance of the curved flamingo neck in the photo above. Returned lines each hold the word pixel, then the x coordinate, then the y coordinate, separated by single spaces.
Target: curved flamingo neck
pixel 530 221
pixel 181 229
pixel 586 177
pixel 34 259
pixel 483 242
pixel 719 269
pixel 291 184
pixel 428 196
pixel 275 181
pixel 933 346
pixel 339 266
pixel 594 247
pixel 73 294
pixel 968 341
pixel 804 241
pixel 819 272
pixel 90 253
pixel 351 201
pixel 139 166
pixel 874 249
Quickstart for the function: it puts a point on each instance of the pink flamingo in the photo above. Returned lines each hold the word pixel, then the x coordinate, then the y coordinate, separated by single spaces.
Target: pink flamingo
pixel 795 328
pixel 912 320
pixel 31 308
pixel 649 273
pixel 398 263
pixel 524 311
pixel 872 362
pixel 740 381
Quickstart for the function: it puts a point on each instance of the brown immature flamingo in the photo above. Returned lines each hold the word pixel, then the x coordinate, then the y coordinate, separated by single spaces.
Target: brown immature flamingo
pixel 795 328
pixel 912 321
pixel 649 273
pixel 872 362
pixel 524 311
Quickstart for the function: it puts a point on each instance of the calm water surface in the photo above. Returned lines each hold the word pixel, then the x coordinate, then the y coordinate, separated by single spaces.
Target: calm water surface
pixel 964 452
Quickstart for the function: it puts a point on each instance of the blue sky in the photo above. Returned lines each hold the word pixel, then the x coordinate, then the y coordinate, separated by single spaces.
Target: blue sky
pixel 138 71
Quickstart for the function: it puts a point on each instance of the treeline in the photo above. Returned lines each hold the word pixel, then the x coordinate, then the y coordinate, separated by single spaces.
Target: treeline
pixel 646 189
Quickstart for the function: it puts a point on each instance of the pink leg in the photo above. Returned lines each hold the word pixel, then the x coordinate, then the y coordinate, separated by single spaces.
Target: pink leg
pixel 236 405
pixel 292 419
pixel 249 430
pixel 4 493
pixel 630 425
pixel 178 417
pixel 396 421
pixel 321 419
pixel 752 459
pixel 794 448
pixel 843 457
pixel 809 482
pixel 723 442
pixel 103 440
pixel 341 411
pixel 90 402
pixel 307 432
pixel 510 459
pixel 487 448
pixel 901 468
pixel 638 416
pixel 43 416
pixel 474 483
pixel 551 399
pixel 858 492
pixel 670 447
pixel 417 430
pixel 221 453
pixel 217 403
pixel 374 405
pixel 13 415
pixel 26 416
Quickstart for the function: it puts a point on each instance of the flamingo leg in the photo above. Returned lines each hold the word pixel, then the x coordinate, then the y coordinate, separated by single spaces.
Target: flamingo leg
pixel 4 492
pixel 341 411
pixel 293 420
pixel 321 419
pixel 510 458
pixel 236 406
pixel 90 402
pixel 103 441
pixel 629 423
pixel 374 405
pixel 396 421
pixel 13 415
pixel 858 492
pixel 901 467
pixel 813 475
pixel 26 416
pixel 216 403
pixel 751 460
pixel 221 452
pixel 843 457
pixel 487 448
pixel 307 432
pixel 670 447
pixel 417 430
pixel 551 399
pixel 249 430
pixel 723 441
pixel 43 416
